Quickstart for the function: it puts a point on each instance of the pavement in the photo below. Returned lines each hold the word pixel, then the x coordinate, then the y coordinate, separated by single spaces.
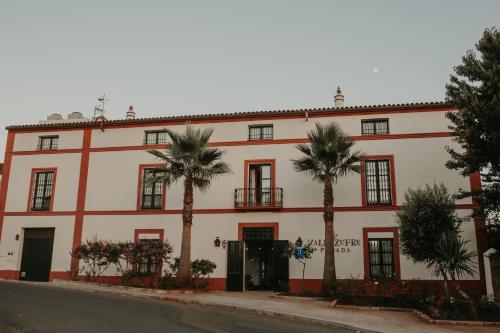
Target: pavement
pixel 30 307
pixel 362 318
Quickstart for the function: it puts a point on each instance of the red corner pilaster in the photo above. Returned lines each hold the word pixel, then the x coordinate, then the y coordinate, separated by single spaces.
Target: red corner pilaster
pixel 9 147
pixel 82 191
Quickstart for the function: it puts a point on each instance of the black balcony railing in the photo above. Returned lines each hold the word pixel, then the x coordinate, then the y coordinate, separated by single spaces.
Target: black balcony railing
pixel 258 198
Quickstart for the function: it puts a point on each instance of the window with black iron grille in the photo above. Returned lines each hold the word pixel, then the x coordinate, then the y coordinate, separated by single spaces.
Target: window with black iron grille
pixel 42 190
pixel 374 126
pixel 258 234
pixel 378 182
pixel 260 132
pixel 48 142
pixel 147 265
pixel 152 189
pixel 381 254
pixel 155 137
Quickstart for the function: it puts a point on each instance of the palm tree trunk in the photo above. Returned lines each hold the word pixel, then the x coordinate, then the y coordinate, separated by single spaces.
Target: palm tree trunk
pixel 329 274
pixel 466 297
pixel 184 273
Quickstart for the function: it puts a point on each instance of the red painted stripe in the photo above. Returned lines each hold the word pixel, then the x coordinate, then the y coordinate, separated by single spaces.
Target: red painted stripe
pixel 479 227
pixel 239 143
pixel 220 211
pixel 82 190
pixel 9 147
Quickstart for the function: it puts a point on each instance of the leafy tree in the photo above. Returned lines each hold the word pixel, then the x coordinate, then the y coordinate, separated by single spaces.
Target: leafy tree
pixel 475 90
pixel 94 254
pixel 301 253
pixel 424 215
pixel 327 157
pixel 201 270
pixel 190 158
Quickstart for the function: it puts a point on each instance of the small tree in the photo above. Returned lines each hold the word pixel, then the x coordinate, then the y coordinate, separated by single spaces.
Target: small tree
pixel 201 270
pixel 95 255
pixel 301 253
pixel 424 215
pixel 156 252
pixel 122 255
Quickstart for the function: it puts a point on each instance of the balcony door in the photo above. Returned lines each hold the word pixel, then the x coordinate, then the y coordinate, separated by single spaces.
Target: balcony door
pixel 259 185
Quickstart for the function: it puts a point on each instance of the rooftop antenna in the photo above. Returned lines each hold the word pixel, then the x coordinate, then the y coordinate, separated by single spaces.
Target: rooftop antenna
pixel 99 108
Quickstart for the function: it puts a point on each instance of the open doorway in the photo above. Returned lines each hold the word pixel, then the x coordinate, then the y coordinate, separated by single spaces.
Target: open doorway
pixel 257 262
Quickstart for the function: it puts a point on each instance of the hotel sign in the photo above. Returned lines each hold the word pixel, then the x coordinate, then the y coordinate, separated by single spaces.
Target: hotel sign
pixel 341 245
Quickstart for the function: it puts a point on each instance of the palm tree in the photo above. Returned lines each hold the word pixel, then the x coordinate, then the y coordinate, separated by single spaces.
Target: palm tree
pixel 188 157
pixel 327 157
pixel 453 260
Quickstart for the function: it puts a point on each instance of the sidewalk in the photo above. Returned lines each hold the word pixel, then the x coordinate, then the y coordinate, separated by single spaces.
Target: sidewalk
pixel 365 320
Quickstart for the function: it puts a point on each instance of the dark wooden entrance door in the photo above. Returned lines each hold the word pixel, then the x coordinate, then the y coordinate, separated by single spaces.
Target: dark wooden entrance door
pixel 234 266
pixel 280 265
pixel 37 254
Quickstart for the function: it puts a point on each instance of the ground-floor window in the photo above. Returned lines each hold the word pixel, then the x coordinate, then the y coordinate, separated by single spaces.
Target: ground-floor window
pixel 148 264
pixel 381 258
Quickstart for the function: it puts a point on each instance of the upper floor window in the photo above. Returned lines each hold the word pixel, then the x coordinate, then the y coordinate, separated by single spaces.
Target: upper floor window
pixel 381 258
pixel 152 189
pixel 42 190
pixel 260 132
pixel 378 182
pixel 374 126
pixel 48 142
pixel 155 137
pixel 147 265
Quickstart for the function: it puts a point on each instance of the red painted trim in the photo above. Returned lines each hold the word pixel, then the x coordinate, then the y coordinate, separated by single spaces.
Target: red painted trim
pixel 274 225
pixel 34 171
pixel 393 180
pixel 219 211
pixel 239 143
pixel 140 177
pixel 82 193
pixel 9 147
pixel 228 118
pixel 247 165
pixel 479 227
pixel 366 260
pixel 48 152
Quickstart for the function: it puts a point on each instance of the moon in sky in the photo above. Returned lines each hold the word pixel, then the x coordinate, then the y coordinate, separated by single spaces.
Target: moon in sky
pixel 375 70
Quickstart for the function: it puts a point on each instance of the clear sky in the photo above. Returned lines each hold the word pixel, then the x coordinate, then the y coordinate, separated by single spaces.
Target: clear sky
pixel 191 57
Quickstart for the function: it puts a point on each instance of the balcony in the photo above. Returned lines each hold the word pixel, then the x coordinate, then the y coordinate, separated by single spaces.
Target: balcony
pixel 258 198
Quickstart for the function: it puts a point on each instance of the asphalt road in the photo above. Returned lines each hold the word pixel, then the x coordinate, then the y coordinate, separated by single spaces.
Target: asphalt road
pixel 41 308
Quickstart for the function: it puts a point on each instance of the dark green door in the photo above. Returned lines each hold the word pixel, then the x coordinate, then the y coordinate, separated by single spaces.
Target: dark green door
pixel 280 265
pixel 37 254
pixel 235 266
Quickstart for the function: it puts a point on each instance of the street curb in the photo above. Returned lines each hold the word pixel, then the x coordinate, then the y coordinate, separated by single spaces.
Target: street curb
pixel 271 314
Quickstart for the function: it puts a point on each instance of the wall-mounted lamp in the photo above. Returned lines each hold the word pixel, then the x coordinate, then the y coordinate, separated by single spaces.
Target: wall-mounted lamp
pixel 217 242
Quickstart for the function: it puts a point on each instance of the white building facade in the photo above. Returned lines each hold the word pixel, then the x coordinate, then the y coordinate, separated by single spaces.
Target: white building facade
pixel 65 182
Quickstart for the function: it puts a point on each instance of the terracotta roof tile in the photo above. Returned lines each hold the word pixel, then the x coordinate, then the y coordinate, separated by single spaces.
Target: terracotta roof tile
pixel 345 109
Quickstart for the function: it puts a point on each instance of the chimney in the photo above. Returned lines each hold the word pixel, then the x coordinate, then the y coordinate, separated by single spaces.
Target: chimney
pixel 130 115
pixel 339 99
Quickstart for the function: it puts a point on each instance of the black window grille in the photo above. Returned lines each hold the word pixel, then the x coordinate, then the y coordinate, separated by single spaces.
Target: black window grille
pixel 155 137
pixel 42 191
pixel 374 126
pixel 48 142
pixel 152 189
pixel 258 234
pixel 381 254
pixel 148 264
pixel 378 182
pixel 260 132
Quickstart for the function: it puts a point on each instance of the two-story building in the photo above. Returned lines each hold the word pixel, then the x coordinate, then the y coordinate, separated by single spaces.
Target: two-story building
pixel 65 181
